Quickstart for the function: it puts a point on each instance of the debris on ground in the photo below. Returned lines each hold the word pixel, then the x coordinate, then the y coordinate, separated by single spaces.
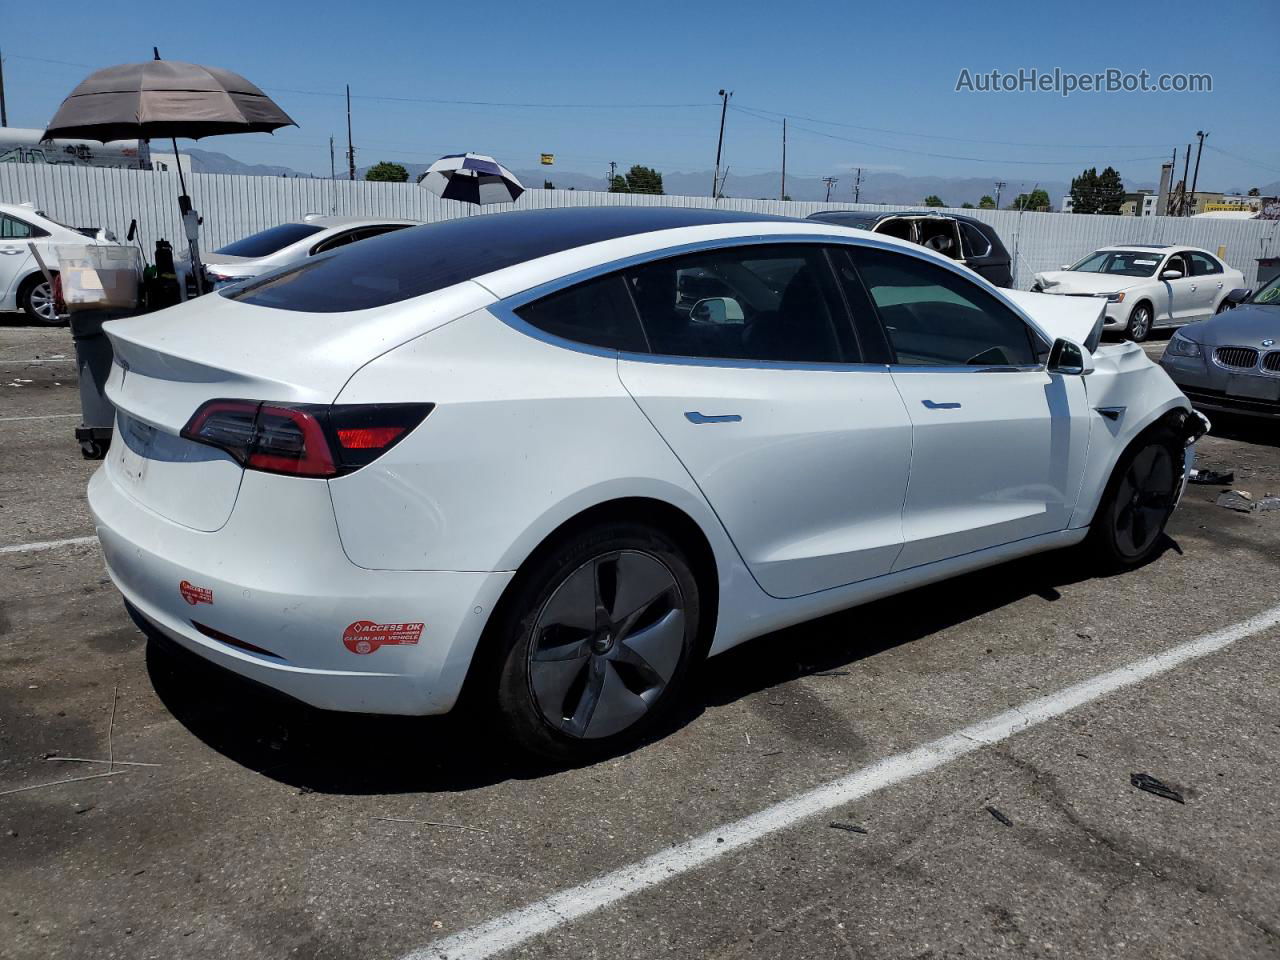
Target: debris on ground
pixel 998 815
pixel 1269 503
pixel 849 827
pixel 1144 781
pixel 1239 500
pixel 1212 478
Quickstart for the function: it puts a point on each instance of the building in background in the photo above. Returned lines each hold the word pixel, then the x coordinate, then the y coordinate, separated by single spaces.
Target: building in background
pixel 23 145
pixel 1141 204
pixel 171 163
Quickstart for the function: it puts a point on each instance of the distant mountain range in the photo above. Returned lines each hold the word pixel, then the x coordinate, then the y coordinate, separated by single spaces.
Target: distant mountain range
pixel 887 188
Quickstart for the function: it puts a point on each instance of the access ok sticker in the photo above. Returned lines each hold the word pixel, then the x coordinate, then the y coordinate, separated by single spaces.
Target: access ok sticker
pixel 365 636
pixel 193 594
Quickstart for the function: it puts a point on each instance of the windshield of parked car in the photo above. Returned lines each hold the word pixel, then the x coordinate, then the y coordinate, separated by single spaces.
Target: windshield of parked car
pixel 269 241
pixel 1269 294
pixel 1124 263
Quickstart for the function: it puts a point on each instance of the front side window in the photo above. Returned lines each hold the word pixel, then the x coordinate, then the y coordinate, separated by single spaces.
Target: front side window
pixel 771 303
pixel 1202 264
pixel 11 228
pixel 934 317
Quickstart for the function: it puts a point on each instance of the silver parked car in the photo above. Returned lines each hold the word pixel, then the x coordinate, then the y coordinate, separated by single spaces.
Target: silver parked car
pixel 1231 362
pixel 289 243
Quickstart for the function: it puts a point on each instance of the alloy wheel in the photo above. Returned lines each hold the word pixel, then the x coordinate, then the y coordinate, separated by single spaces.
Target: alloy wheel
pixel 41 300
pixel 1144 500
pixel 1140 323
pixel 606 644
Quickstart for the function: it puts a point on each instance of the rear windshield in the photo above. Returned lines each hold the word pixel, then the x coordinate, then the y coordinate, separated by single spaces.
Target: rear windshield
pixel 420 260
pixel 269 241
pixel 1124 263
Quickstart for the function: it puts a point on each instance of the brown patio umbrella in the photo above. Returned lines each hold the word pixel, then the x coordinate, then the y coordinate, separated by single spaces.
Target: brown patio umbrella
pixel 166 98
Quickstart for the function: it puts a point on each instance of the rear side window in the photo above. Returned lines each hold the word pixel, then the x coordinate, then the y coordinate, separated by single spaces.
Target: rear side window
pixel 974 240
pixel 934 317
pixel 1202 264
pixel 773 303
pixel 11 228
pixel 596 313
pixel 269 241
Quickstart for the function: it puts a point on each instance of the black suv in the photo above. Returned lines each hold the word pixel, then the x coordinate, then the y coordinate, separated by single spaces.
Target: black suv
pixel 972 242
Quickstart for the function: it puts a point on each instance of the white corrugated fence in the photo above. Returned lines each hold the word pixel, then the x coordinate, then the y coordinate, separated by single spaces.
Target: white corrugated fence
pixel 235 206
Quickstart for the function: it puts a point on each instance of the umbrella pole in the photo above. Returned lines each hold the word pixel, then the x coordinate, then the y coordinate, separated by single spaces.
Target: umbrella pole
pixel 190 223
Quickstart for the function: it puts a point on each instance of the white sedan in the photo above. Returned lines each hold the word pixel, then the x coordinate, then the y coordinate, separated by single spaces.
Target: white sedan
pixel 1147 286
pixel 290 243
pixel 556 457
pixel 22 283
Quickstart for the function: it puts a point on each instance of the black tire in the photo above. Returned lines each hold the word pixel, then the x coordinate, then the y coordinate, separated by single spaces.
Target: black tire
pixel 1128 528
pixel 543 662
pixel 35 299
pixel 1141 320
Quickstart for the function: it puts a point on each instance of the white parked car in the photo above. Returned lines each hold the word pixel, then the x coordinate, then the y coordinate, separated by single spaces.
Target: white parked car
pixel 1147 286
pixel 556 457
pixel 22 283
pixel 289 243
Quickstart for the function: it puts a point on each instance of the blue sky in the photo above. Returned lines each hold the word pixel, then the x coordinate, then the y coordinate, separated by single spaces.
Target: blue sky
pixel 571 79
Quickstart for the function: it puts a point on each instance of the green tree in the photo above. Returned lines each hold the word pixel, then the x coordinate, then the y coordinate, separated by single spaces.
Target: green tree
pixel 966 205
pixel 1255 192
pixel 548 185
pixel 618 184
pixel 388 172
pixel 1035 200
pixel 933 200
pixel 643 180
pixel 1086 192
pixel 1110 191
pixel 987 202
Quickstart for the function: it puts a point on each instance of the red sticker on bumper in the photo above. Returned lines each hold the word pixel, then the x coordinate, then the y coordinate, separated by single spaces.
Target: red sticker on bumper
pixel 365 636
pixel 193 594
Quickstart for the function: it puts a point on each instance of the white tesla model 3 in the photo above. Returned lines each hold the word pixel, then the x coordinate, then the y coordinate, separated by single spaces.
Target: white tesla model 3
pixel 558 456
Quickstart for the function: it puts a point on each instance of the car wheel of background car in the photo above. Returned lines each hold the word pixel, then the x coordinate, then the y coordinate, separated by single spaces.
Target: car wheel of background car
pixel 1139 327
pixel 1224 306
pixel 1138 501
pixel 598 640
pixel 36 300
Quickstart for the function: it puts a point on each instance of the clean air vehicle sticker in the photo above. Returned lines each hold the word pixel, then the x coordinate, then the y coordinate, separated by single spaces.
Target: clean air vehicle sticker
pixel 193 594
pixel 365 636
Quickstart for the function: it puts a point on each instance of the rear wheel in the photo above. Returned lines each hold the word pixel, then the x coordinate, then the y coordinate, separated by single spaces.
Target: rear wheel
pixel 598 641
pixel 36 300
pixel 1139 500
pixel 1140 320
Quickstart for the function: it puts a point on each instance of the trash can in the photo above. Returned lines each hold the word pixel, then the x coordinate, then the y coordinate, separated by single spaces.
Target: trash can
pixel 98 283
pixel 93 364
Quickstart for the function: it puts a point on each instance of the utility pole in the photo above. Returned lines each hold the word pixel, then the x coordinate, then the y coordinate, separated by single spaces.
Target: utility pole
pixel 783 194
pixel 830 182
pixel 1186 164
pixel 351 150
pixel 613 172
pixel 4 110
pixel 333 170
pixel 1000 185
pixel 857 185
pixel 1195 177
pixel 724 108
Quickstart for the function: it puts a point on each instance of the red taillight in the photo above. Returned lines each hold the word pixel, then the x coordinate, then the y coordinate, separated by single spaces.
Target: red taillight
pixel 303 440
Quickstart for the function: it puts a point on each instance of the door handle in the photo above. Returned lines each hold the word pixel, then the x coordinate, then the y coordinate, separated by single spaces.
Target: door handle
pixel 693 416
pixel 933 405
pixel 1193 286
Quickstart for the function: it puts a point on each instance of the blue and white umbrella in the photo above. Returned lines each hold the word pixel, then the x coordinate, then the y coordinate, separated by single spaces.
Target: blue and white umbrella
pixel 471 178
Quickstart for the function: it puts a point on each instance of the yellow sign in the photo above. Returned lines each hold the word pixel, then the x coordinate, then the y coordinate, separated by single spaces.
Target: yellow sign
pixel 1239 207
pixel 548 159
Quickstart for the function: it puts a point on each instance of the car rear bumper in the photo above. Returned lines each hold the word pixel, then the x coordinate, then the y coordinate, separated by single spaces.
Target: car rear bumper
pixel 272 597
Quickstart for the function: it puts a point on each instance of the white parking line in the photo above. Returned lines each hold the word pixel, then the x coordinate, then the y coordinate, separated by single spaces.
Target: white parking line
pixel 47 545
pixel 7 360
pixel 47 416
pixel 514 928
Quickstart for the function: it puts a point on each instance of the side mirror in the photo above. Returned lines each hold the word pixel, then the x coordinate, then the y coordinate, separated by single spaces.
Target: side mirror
pixel 1171 275
pixel 717 310
pixel 1238 296
pixel 1069 358
pixel 1065 266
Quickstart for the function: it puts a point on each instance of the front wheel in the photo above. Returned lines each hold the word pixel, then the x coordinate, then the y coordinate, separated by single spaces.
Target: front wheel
pixel 1139 327
pixel 38 304
pixel 598 641
pixel 1138 502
